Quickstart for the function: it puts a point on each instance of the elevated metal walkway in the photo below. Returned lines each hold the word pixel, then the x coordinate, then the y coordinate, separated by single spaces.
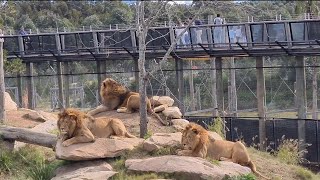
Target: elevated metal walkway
pixel 272 38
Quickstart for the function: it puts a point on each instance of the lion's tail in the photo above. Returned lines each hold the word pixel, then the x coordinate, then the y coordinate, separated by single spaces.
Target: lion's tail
pixel 254 170
pixel 155 114
pixel 129 135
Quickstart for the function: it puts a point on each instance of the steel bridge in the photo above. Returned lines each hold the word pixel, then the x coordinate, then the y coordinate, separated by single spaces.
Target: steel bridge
pixel 294 37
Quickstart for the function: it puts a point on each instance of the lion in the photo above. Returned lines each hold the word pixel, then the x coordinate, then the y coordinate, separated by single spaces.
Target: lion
pixel 196 142
pixel 77 127
pixel 116 97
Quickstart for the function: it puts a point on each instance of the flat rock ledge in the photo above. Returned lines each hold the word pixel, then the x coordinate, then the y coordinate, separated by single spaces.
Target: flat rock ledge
pixel 89 170
pixel 101 148
pixel 187 167
pixel 159 140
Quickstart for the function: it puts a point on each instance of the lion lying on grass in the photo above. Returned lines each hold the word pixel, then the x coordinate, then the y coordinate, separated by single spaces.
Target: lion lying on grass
pixel 77 127
pixel 117 97
pixel 196 142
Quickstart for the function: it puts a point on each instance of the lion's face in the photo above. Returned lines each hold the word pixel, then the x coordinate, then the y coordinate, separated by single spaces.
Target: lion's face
pixel 190 138
pixel 111 86
pixel 67 122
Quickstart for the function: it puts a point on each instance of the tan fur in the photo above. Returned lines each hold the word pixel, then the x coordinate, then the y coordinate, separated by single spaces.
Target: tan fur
pixel 77 127
pixel 196 142
pixel 115 96
pixel 133 104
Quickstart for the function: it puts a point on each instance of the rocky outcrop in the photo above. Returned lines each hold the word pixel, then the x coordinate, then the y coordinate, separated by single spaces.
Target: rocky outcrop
pixel 9 104
pixel 189 168
pixel 89 170
pixel 172 112
pixel 101 148
pixel 161 100
pixel 38 115
pixel 159 140
pixel 179 124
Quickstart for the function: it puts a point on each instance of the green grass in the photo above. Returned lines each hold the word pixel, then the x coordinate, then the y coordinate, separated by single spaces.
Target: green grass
pixel 288 151
pixel 149 134
pixel 241 177
pixel 305 174
pixel 27 162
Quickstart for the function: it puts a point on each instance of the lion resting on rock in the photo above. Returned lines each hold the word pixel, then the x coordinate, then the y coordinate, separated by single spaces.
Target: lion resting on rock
pixel 77 127
pixel 196 142
pixel 117 97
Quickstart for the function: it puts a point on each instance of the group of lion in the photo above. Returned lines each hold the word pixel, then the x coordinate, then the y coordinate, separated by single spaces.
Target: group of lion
pixel 78 127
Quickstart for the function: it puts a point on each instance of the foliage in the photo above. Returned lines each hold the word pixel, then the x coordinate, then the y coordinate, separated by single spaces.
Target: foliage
pixel 242 177
pixel 288 151
pixel 217 126
pixel 14 66
pixel 149 134
pixel 89 90
pixel 27 161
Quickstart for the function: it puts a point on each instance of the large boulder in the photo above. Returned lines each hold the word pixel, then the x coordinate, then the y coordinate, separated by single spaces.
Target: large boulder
pixel 101 148
pixel 161 100
pixel 9 104
pixel 158 140
pixel 187 167
pixel 179 124
pixel 89 170
pixel 38 115
pixel 172 112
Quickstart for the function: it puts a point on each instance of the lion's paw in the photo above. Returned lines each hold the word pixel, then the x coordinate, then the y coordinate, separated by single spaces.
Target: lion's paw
pixel 66 144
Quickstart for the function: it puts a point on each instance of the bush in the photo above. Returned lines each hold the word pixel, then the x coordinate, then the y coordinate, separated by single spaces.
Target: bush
pixel 288 151
pixel 217 126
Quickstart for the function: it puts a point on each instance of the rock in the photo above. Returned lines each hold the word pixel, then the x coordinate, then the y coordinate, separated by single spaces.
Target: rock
pixel 187 167
pixel 159 140
pixel 179 124
pixel 160 108
pixel 101 148
pixel 39 115
pixel 89 170
pixel 160 100
pixel 9 104
pixel 172 112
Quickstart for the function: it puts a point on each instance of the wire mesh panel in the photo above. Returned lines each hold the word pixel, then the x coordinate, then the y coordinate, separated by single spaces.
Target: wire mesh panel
pixel 298 32
pixel 158 37
pixel 257 31
pixel 276 32
pixel 114 39
pixel 11 45
pixel 313 30
pixel 312 140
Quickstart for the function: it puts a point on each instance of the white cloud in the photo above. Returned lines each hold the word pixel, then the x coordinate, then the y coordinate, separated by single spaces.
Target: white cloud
pixel 180 2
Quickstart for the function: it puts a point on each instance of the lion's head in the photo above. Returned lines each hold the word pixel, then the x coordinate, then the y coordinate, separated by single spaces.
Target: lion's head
pixel 193 135
pixel 111 86
pixel 69 120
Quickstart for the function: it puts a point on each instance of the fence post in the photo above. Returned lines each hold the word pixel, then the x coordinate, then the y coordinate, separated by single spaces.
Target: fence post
pixel 261 97
pixel 2 86
pixel 30 85
pixel 214 87
pixel 179 79
pixel 219 85
pixel 301 99
pixel 66 83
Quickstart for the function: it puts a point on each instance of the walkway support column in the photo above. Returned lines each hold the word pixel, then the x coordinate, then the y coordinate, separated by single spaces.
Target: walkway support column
pixel 100 76
pixel 301 98
pixel 261 98
pixel 233 89
pixel 219 84
pixel 214 87
pixel 179 79
pixel 136 73
pixel 30 85
pixel 66 83
pixel 60 85
pixel 2 87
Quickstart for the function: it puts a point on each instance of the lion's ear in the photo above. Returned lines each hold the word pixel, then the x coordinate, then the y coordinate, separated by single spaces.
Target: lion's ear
pixel 188 126
pixel 195 131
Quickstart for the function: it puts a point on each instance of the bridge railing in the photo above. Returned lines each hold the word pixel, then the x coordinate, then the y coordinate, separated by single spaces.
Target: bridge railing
pixel 286 34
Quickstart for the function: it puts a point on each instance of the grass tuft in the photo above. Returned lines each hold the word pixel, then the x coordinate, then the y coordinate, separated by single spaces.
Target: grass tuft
pixel 217 126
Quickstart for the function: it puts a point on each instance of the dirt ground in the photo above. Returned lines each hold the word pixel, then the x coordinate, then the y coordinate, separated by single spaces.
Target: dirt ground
pixel 16 119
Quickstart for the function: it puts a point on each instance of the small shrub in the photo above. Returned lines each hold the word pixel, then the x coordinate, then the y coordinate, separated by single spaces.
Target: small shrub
pixel 119 164
pixel 217 126
pixel 41 171
pixel 288 151
pixel 213 161
pixel 149 134
pixel 304 174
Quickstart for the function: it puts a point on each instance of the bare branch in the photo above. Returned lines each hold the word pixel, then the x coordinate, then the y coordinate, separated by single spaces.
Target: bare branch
pixel 154 16
pixel 158 37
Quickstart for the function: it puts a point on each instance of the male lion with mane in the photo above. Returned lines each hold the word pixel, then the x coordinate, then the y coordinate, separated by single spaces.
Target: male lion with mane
pixel 77 127
pixel 196 142
pixel 117 97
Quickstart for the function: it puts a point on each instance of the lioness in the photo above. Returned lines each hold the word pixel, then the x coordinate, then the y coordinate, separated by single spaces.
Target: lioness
pixel 77 127
pixel 196 142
